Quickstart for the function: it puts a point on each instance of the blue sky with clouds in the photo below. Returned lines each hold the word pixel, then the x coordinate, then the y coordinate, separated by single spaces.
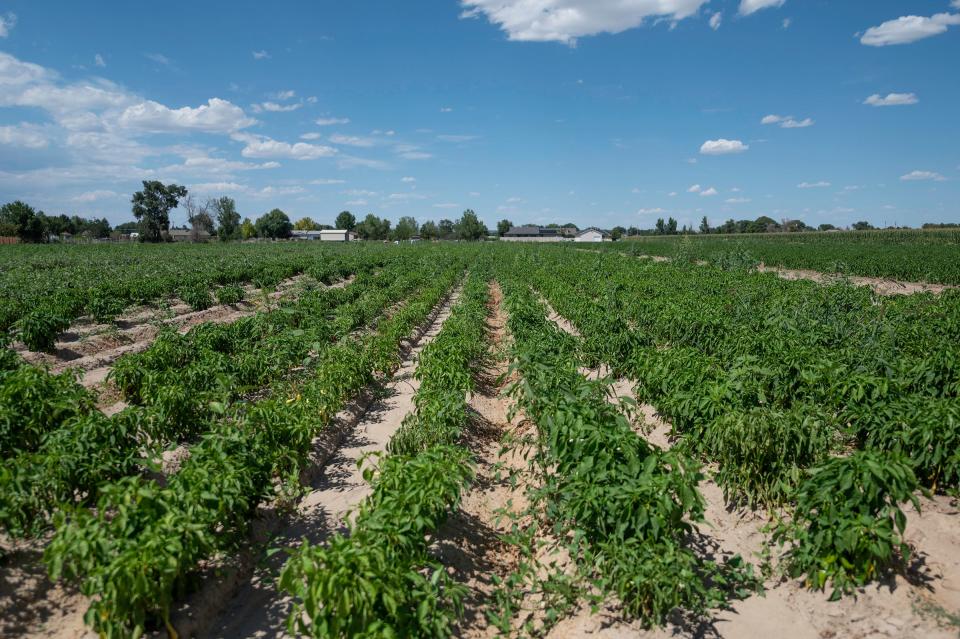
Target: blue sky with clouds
pixel 599 112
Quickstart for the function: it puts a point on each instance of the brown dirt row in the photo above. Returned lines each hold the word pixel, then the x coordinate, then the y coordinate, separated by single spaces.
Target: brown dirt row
pixel 32 606
pixel 903 606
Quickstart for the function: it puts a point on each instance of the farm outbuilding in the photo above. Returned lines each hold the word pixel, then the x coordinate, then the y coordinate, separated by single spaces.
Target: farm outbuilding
pixel 592 235
pixel 533 234
pixel 327 235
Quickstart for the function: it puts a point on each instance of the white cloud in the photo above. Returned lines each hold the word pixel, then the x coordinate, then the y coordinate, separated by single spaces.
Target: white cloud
pixel 310 136
pixel 446 109
pixel 406 196
pixel 787 22
pixel 696 188
pixel 408 180
pixel 787 121
pixel 813 185
pixel 708 192
pixel 892 99
pixel 672 194
pixel 7 22
pixel 93 196
pixel 918 176
pixel 752 6
pixel 274 107
pixel 723 147
pixel 261 55
pixel 289 94
pixel 907 29
pixel 566 20
pixel 217 116
pixel 352 140
pixel 715 20
pixel 159 58
pixel 737 200
pixel 655 211
pixel 331 121
pixel 99 61
pixel 14 72
pixel 261 146
pixel 446 205
pixel 27 136
pixel 326 181
pixel 360 202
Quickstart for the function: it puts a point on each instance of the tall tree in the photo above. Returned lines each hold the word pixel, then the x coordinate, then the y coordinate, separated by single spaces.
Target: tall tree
pixel 445 229
pixel 661 226
pixel 617 232
pixel 469 227
pixel 248 230
pixel 198 215
pixel 152 207
pixel 373 228
pixel 406 228
pixel 24 221
pixel 306 224
pixel 429 231
pixel 503 227
pixel 274 224
pixel 705 225
pixel 672 226
pixel 346 221
pixel 228 220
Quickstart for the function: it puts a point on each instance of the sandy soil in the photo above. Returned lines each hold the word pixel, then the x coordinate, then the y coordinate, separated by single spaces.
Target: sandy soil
pixel 469 544
pixel 898 607
pixel 258 609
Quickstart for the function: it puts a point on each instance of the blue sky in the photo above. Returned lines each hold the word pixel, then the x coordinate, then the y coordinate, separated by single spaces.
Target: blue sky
pixel 599 112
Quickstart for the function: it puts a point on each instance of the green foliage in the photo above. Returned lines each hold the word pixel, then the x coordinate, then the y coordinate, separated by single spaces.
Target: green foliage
pixel 847 526
pixel 345 220
pixel 152 207
pixel 39 329
pixel 197 295
pixel 230 294
pixel 274 225
pixel 34 403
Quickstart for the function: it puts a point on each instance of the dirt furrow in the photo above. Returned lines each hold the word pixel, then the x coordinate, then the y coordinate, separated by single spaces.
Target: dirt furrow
pixel 257 608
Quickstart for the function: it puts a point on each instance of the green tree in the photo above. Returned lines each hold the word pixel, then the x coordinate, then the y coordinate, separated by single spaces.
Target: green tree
pixel 469 227
pixel 661 226
pixel 406 228
pixel 373 228
pixel 705 225
pixel 504 226
pixel 228 220
pixel 862 226
pixel 275 225
pixel 671 226
pixel 429 231
pixel 24 221
pixel 248 230
pixel 445 229
pixel 306 224
pixel 346 221
pixel 826 227
pixel 152 207
pixel 617 232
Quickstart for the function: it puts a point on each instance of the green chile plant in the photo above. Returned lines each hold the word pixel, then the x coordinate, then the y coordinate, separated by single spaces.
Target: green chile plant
pixel 379 580
pixel 847 527
pixel 133 565
pixel 623 502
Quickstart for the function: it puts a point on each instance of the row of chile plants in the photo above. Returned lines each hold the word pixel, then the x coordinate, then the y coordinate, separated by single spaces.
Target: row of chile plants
pixel 141 545
pixel 823 405
pixel 378 579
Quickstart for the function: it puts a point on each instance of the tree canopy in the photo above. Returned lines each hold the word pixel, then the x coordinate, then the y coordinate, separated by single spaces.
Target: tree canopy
pixel 274 225
pixel 152 207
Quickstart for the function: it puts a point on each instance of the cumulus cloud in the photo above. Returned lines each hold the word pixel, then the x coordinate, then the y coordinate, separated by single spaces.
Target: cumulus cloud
pixel 159 58
pixel 892 99
pixel 261 55
pixel 352 140
pixel 326 181
pixel 566 20
pixel 446 205
pixel 737 200
pixel 787 121
pixel 696 188
pixel 752 6
pixel 99 61
pixel 331 121
pixel 408 179
pixel 261 146
pixel 723 147
pixel 457 138
pixel 813 185
pixel 708 192
pixel 7 22
pixel 907 29
pixel 93 196
pixel 921 176
pixel 26 136
pixel 310 136
pixel 274 107
pixel 289 94
pixel 216 116
pixel 715 20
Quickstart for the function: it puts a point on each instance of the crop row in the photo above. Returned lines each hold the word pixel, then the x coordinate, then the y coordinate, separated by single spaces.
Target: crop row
pixel 139 548
pixel 379 578
pixel 777 382
pixel 45 288
pixel 624 508
pixel 75 448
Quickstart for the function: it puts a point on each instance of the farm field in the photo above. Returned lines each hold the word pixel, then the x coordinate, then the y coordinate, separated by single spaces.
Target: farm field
pixel 930 256
pixel 477 440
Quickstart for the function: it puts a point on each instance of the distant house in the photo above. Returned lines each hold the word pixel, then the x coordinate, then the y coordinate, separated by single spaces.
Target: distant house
pixel 328 235
pixel 186 235
pixel 533 234
pixel 569 232
pixel 592 235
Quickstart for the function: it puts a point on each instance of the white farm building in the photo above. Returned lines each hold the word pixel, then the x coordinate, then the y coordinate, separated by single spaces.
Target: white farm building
pixel 592 235
pixel 329 235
